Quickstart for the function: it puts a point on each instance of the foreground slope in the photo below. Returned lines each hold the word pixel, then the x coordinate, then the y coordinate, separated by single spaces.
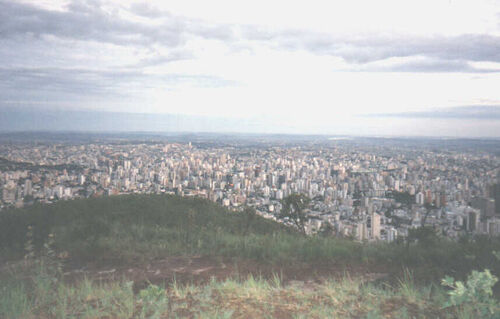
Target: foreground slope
pixel 153 256
pixel 137 228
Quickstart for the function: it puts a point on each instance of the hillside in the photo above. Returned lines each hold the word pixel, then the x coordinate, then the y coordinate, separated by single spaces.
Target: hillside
pixel 142 227
pixel 181 251
pixel 130 226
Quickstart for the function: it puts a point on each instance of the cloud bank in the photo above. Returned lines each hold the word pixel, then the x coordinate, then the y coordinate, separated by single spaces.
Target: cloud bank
pixel 145 57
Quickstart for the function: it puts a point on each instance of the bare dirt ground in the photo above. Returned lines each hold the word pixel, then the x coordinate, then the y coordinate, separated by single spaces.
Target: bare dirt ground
pixel 200 269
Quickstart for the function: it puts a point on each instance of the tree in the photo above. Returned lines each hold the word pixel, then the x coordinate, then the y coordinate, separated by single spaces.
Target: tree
pixel 294 207
pixel 425 236
pixel 404 198
pixel 327 229
pixel 428 210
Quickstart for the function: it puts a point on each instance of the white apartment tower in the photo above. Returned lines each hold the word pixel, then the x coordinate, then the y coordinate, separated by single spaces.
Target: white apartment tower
pixel 375 226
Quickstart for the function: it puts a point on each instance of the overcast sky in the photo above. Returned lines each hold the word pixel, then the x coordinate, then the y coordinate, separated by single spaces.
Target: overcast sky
pixel 347 67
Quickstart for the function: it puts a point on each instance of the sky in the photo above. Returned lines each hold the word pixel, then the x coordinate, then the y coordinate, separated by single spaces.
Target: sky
pixel 411 68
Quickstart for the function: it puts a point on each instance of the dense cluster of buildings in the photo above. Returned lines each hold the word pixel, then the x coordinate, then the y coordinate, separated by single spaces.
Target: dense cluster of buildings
pixel 367 193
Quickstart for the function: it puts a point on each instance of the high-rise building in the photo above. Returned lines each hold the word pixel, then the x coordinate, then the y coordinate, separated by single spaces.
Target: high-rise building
pixel 59 191
pixel 392 233
pixel 496 197
pixel 126 165
pixel 472 216
pixel 9 194
pixel 493 226
pixel 279 194
pixel 375 226
pixel 419 198
pixel 443 199
pixel 428 196
pixel 81 179
pixel 361 231
pixel 28 185
pixel 485 205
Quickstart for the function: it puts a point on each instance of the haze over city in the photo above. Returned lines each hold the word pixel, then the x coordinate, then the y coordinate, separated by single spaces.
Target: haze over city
pixel 396 68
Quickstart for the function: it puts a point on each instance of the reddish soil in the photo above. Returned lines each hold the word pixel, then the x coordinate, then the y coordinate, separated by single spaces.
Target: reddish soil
pixel 199 269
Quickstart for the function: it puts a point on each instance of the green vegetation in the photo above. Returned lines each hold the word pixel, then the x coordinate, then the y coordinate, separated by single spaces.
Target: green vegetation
pixel 475 297
pixel 402 197
pixel 121 228
pixel 138 228
pixel 294 210
pixel 142 227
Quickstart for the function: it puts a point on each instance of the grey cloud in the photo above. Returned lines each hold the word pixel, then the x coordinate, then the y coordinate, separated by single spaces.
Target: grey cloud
pixel 478 112
pixel 158 59
pixel 468 47
pixel 145 9
pixel 65 80
pixel 79 22
pixel 471 47
pixel 57 75
pixel 192 26
pixel 47 83
pixel 433 66
pixel 366 48
pixel 427 65
pixel 90 22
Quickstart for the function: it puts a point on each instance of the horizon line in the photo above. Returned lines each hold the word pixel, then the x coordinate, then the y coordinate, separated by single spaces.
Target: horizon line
pixel 5 132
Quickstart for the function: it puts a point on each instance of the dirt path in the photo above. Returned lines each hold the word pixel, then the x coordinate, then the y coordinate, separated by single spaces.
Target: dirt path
pixel 199 269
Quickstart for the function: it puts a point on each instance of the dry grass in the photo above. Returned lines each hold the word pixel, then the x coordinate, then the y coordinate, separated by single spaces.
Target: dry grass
pixel 252 297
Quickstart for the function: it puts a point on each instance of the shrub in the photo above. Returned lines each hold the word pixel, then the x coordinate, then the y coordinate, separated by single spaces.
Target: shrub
pixel 473 298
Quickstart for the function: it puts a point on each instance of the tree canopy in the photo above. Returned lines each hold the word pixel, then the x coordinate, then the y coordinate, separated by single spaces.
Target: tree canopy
pixel 294 209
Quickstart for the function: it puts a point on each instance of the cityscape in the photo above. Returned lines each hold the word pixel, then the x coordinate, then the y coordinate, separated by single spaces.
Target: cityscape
pixel 365 189
pixel 249 159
